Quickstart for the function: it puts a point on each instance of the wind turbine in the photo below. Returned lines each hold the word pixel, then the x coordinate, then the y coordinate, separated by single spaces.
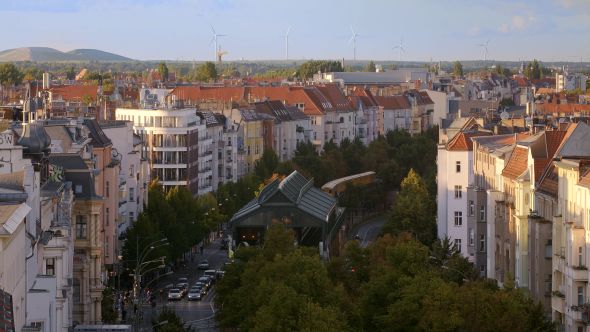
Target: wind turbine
pixel 485 53
pixel 214 39
pixel 287 43
pixel 400 47
pixel 353 40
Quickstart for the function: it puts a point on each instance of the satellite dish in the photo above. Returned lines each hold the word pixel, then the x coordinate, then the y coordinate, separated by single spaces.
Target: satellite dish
pixel 504 115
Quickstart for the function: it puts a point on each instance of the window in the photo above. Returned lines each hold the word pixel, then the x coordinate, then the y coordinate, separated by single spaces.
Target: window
pixel 471 208
pixel 81 227
pixel 580 295
pixel 458 192
pixel 77 294
pixel 131 170
pixel 107 216
pixel 580 263
pixel 50 266
pixel 458 166
pixel 482 243
pixel 107 188
pixel 482 213
pixel 106 246
pixel 78 189
pixel 458 218
pixel 471 237
pixel 131 217
pixel 131 194
pixel 458 245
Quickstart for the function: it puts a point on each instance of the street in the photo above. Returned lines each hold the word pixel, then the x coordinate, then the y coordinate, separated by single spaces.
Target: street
pixel 369 230
pixel 196 314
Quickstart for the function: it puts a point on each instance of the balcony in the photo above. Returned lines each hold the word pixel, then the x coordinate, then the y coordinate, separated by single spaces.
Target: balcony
pixel 578 273
pixel 559 262
pixel 558 302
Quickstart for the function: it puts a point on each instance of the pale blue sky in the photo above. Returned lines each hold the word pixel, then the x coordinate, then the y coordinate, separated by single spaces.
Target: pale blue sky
pixel 180 29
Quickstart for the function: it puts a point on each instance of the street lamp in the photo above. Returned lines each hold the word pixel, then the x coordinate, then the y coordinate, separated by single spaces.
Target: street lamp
pixel 140 264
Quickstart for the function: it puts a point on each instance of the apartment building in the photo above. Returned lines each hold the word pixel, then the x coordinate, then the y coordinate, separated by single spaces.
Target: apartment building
pixel 134 174
pixel 291 127
pixel 454 175
pixel 570 230
pixel 172 144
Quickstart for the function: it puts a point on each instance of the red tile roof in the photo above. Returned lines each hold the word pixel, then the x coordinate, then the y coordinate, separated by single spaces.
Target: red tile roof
pixel 517 164
pixel 200 93
pixel 585 178
pixel 74 92
pixel 548 181
pixel 551 108
pixel 393 102
pixel 462 141
pixel 333 93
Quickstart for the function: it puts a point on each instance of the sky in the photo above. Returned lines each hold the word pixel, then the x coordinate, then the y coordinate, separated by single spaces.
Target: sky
pixel 447 30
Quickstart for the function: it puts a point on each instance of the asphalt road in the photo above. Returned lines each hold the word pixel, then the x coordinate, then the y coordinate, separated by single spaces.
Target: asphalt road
pixel 198 314
pixel 369 230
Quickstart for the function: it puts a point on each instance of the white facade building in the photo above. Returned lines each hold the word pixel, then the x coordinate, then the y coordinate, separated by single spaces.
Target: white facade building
pixel 455 173
pixel 134 175
pixel 176 145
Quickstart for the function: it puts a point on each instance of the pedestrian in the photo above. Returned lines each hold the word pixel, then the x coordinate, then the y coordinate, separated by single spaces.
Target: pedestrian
pixel 201 249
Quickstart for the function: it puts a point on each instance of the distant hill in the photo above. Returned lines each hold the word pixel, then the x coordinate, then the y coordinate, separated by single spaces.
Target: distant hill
pixel 47 54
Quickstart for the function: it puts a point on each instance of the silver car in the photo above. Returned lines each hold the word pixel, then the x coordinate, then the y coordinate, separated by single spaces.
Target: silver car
pixel 174 294
pixel 194 294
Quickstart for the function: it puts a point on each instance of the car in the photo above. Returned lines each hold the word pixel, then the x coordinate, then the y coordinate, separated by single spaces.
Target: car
pixel 203 265
pixel 206 281
pixel 211 273
pixel 174 294
pixel 183 280
pixel 183 286
pixel 220 273
pixel 357 237
pixel 194 294
pixel 201 285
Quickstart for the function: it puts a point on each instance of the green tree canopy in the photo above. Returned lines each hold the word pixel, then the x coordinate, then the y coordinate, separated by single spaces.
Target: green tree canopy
pixel 163 70
pixel 206 72
pixel 309 68
pixel 458 69
pixel 371 67
pixel 10 75
pixel 413 210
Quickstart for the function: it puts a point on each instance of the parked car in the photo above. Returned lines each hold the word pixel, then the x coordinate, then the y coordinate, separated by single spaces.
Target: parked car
pixel 194 294
pixel 203 265
pixel 174 294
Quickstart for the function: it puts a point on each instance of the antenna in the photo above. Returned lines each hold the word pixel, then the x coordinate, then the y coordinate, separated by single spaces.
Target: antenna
pixel 400 47
pixel 353 40
pixel 287 43
pixel 214 39
pixel 485 53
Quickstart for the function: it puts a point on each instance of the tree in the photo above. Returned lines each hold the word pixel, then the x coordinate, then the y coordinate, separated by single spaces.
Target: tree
pixel 173 321
pixel 506 102
pixel 107 306
pixel 10 75
pixel 371 67
pixel 458 69
pixel 71 73
pixel 533 70
pixel 32 74
pixel 413 210
pixel 309 68
pixel 267 164
pixel 163 70
pixel 206 72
